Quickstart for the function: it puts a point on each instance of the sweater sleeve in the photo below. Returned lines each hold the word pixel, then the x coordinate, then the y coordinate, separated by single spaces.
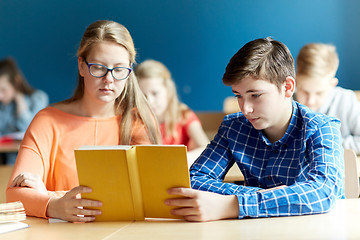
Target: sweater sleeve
pixel 32 159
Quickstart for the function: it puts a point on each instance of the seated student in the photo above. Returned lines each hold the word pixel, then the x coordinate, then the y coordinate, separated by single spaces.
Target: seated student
pixel 19 103
pixel 178 123
pixel 291 157
pixel 107 108
pixel 316 67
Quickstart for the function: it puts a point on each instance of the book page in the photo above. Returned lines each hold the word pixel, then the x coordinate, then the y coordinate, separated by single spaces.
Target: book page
pixel 12 211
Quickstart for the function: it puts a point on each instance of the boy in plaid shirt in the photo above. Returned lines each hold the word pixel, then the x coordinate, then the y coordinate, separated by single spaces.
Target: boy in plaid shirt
pixel 291 157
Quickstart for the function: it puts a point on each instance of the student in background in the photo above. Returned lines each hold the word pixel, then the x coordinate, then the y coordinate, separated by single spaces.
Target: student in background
pixel 107 108
pixel 19 103
pixel 316 87
pixel 178 123
pixel 290 156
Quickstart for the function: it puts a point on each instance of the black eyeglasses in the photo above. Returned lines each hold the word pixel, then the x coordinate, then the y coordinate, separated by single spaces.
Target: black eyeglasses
pixel 99 71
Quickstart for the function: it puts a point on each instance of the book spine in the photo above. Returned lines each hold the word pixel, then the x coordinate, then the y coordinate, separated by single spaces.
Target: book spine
pixel 135 183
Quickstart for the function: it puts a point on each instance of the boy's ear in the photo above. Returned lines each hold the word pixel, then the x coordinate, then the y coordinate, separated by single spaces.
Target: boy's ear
pixel 289 86
pixel 334 81
pixel 80 66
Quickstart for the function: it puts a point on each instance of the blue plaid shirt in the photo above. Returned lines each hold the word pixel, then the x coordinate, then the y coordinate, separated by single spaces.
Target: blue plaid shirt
pixel 308 159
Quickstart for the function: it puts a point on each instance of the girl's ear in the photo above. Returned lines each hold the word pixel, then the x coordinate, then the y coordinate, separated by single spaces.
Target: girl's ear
pixel 80 66
pixel 289 86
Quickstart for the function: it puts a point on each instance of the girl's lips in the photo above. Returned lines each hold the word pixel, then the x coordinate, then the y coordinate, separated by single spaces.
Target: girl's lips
pixel 106 90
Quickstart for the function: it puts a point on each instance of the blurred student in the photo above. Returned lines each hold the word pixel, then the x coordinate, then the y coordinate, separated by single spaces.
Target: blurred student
pixel 316 87
pixel 107 108
pixel 19 103
pixel 290 156
pixel 178 123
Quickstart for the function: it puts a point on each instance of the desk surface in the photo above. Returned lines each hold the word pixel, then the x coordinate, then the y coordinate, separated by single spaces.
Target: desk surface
pixel 339 223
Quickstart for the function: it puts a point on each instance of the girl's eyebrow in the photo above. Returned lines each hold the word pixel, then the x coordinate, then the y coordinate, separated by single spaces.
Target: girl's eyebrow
pixel 103 63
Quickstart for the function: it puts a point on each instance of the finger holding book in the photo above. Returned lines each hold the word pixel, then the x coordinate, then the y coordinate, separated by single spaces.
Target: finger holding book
pixel 72 208
pixel 196 205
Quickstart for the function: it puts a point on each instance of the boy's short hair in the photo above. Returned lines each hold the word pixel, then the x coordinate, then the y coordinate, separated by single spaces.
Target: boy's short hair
pixel 317 60
pixel 263 58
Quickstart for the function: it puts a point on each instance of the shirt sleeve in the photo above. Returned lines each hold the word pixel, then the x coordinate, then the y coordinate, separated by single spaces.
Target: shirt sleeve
pixel 31 159
pixel 209 170
pixel 324 183
pixel 36 101
pixel 351 121
pixel 190 117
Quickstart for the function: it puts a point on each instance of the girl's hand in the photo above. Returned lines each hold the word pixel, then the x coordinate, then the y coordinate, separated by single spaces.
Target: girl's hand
pixel 203 206
pixel 72 208
pixel 30 180
pixel 21 105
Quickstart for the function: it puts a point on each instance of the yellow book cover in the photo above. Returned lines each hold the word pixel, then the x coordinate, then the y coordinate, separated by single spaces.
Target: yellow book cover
pixel 131 181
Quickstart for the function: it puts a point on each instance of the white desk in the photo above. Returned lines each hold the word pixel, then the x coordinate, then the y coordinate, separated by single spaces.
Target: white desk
pixel 340 223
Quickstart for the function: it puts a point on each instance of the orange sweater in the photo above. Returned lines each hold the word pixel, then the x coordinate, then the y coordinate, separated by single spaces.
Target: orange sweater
pixel 48 150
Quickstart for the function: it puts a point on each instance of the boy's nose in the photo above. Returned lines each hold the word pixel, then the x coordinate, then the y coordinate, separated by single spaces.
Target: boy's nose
pixel 245 107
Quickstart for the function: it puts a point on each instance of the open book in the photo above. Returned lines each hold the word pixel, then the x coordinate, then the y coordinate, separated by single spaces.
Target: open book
pixel 10 216
pixel 131 181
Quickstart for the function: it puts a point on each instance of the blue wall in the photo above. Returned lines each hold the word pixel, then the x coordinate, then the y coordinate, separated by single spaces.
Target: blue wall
pixel 194 38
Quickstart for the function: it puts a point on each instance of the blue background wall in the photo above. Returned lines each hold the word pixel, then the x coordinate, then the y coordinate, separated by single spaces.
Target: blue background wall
pixel 195 39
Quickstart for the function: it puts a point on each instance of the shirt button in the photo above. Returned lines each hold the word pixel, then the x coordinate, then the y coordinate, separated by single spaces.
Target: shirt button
pixel 269 178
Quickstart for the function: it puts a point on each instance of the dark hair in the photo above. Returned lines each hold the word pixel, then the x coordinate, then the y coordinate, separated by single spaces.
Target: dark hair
pixel 262 58
pixel 9 68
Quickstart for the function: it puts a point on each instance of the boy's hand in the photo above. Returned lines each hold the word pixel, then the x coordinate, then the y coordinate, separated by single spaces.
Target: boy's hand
pixel 202 206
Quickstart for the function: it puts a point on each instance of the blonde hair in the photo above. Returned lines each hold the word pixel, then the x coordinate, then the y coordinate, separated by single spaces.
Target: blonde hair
pixel 131 97
pixel 175 110
pixel 317 60
pixel 262 58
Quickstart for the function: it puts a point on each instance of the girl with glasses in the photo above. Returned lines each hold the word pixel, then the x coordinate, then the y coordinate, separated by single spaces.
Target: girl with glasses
pixel 107 108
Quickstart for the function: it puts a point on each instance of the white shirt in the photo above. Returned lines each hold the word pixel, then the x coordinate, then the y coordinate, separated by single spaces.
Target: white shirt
pixel 343 104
